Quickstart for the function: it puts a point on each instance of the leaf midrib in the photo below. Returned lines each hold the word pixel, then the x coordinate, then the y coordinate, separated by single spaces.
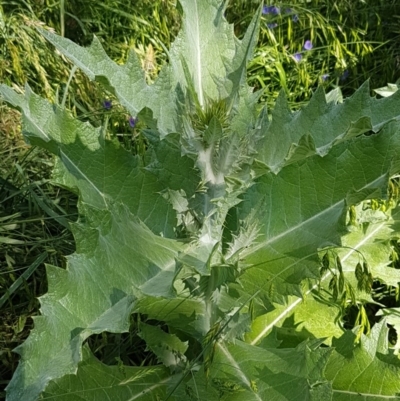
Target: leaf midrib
pixel 271 240
pixel 315 286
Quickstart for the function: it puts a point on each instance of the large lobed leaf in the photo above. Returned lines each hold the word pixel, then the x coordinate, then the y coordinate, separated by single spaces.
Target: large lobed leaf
pixel 276 374
pixel 349 371
pixel 366 371
pixel 321 125
pixel 97 382
pixel 310 316
pixel 303 208
pixel 244 372
pixel 205 45
pixel 116 256
pixel 101 170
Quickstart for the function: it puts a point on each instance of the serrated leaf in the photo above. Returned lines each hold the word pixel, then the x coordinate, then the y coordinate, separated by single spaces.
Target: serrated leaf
pixel 298 320
pixel 388 90
pixel 328 124
pixel 372 244
pixel 353 368
pixel 102 170
pixel 168 348
pixel 244 52
pixel 96 381
pixel 278 374
pixel 206 42
pixel 126 81
pixel 121 259
pixel 302 209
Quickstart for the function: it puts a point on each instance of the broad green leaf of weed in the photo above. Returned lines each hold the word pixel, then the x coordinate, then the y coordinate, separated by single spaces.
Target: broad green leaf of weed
pixel 120 258
pixel 149 383
pixel 207 44
pixel 325 123
pixel 319 317
pixel 297 320
pixel 281 374
pixel 101 170
pixel 370 241
pixel 367 369
pixel 93 379
pixel 168 348
pixel 303 208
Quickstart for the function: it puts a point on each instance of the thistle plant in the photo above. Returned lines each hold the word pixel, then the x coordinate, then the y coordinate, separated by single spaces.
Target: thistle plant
pixel 229 239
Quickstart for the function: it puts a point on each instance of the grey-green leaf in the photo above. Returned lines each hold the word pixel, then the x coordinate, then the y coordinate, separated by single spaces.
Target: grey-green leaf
pixel 116 257
pixel 328 124
pixel 367 369
pixel 279 374
pixel 303 208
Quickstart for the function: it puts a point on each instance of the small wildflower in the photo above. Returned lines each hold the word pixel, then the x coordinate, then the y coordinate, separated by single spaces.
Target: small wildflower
pixel 272 25
pixel 288 10
pixel 295 18
pixel 271 10
pixel 345 75
pixel 266 10
pixel 132 121
pixel 297 57
pixel 107 104
pixel 275 10
pixel 308 45
pixel 324 77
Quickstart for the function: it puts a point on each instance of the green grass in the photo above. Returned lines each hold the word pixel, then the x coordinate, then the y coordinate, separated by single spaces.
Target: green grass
pixel 35 216
pixel 360 38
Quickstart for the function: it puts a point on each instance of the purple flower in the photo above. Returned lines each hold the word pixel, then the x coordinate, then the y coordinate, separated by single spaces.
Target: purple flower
pixel 107 104
pixel 133 121
pixel 297 57
pixel 266 10
pixel 324 77
pixel 308 45
pixel 345 75
pixel 271 10
pixel 288 10
pixel 295 18
pixel 275 10
pixel 272 25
